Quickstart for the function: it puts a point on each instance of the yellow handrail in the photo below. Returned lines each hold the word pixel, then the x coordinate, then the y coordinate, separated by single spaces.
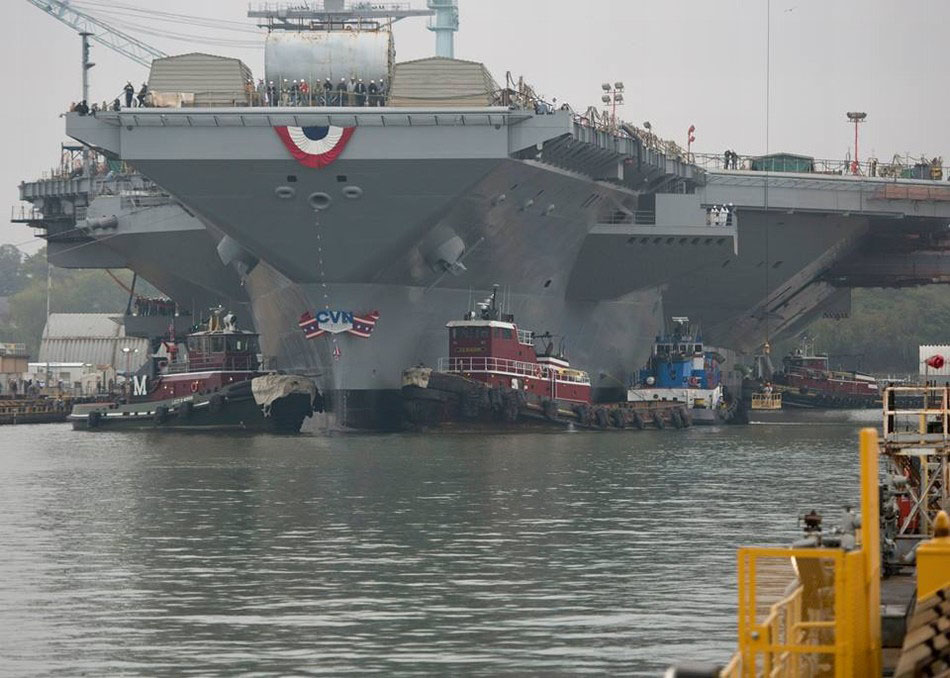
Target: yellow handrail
pixel 829 622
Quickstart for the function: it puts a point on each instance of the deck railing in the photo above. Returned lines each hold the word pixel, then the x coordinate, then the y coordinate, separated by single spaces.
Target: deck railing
pixel 231 363
pixel 514 368
pixel 916 415
pixel 814 611
pixel 766 401
pixel 917 440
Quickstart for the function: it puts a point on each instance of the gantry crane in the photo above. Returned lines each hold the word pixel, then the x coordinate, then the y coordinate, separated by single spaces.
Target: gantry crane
pixel 100 31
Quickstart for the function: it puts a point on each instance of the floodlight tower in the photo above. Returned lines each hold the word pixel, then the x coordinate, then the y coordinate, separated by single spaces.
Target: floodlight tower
pixel 857 118
pixel 613 95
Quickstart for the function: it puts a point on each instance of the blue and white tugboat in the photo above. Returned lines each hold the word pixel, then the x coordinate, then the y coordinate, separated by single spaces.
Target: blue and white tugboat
pixel 681 370
pixel 217 385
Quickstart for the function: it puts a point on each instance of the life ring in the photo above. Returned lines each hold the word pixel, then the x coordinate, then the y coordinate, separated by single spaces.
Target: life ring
pixel 537 372
pixel 194 386
pixel 694 381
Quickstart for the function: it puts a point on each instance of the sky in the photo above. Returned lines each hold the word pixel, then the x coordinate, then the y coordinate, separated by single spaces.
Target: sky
pixel 688 62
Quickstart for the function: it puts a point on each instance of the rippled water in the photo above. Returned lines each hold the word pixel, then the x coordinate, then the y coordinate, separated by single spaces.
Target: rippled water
pixel 550 554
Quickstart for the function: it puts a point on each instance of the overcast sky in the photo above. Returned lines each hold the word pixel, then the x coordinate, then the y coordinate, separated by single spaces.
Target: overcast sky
pixel 700 62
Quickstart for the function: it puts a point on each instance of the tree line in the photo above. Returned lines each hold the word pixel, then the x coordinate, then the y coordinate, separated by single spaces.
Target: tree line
pixel 23 279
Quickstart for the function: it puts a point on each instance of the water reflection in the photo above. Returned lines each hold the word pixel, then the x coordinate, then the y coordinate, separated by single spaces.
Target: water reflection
pixel 397 555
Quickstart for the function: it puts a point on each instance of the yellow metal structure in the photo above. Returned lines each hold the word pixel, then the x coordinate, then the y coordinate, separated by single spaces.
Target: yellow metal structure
pixel 917 442
pixel 933 559
pixel 823 619
pixel 766 401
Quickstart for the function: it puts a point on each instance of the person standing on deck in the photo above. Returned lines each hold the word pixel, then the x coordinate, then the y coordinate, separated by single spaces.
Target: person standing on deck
pixel 341 92
pixel 304 93
pixel 327 91
pixel 360 90
pixel 129 93
pixel 142 94
pixel 373 93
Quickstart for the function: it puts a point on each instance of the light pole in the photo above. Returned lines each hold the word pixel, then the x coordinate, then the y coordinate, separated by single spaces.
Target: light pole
pixel 613 95
pixel 857 118
pixel 690 138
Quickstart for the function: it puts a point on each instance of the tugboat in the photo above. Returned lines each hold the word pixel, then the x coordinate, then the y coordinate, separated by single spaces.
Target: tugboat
pixel 808 381
pixel 680 370
pixel 495 377
pixel 218 385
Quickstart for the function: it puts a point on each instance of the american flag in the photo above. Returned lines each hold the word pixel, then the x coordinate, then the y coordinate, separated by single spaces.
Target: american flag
pixel 363 325
pixel 310 326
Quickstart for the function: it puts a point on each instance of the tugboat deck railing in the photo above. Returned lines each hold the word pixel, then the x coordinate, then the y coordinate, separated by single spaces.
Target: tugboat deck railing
pixel 231 363
pixel 513 368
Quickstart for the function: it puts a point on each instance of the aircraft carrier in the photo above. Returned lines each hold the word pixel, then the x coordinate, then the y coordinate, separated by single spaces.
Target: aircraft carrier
pixel 403 213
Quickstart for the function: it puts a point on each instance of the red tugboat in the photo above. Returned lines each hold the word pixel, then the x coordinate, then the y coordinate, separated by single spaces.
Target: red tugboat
pixel 219 385
pixel 495 377
pixel 808 381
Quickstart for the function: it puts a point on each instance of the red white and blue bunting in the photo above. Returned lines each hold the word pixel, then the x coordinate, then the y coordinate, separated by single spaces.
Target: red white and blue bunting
pixel 315 146
pixel 337 322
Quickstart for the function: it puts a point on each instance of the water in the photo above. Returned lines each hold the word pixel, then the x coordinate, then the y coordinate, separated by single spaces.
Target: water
pixel 549 554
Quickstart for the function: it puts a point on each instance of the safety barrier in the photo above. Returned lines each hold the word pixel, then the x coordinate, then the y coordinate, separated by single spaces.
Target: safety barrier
pixel 814 611
pixel 766 401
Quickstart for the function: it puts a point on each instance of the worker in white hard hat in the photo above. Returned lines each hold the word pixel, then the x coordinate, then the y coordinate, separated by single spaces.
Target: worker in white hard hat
pixel 341 92
pixel 373 91
pixel 360 90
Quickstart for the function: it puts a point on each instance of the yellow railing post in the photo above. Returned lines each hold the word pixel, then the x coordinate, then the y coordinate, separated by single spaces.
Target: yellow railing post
pixel 871 548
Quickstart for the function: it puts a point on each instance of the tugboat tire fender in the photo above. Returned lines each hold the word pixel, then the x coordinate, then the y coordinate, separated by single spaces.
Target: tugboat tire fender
pixel 601 416
pixel 216 403
pixel 184 410
pixel 93 419
pixel 616 418
pixel 638 421
pixel 583 414
pixel 161 414
pixel 676 418
pixel 549 407
pixel 658 421
pixel 685 418
pixel 497 399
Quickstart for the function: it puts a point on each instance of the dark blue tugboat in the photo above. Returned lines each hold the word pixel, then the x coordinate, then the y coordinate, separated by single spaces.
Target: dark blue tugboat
pixel 681 370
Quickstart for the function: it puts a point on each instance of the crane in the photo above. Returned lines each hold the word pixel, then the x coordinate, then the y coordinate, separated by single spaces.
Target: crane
pixel 101 32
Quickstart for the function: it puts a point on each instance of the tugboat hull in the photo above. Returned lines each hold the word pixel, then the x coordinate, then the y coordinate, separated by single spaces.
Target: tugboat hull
pixel 239 407
pixel 433 399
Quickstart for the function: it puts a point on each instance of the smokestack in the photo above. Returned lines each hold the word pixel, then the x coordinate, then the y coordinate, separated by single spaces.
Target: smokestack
pixel 444 24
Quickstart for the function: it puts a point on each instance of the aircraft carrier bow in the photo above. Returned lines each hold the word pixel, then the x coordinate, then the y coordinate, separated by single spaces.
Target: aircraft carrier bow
pixel 399 211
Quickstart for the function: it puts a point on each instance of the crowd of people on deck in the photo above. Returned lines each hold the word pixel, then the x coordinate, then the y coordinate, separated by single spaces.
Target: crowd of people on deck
pixel 346 92
pixel 286 92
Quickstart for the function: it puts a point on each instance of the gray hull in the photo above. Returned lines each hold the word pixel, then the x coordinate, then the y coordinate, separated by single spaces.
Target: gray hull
pixel 592 235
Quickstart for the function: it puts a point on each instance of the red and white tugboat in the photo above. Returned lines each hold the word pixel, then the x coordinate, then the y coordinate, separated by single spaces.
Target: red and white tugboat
pixel 218 385
pixel 495 376
pixel 808 381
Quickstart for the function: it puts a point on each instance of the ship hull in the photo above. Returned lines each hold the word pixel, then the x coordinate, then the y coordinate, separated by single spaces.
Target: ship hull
pixel 232 408
pixel 360 378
